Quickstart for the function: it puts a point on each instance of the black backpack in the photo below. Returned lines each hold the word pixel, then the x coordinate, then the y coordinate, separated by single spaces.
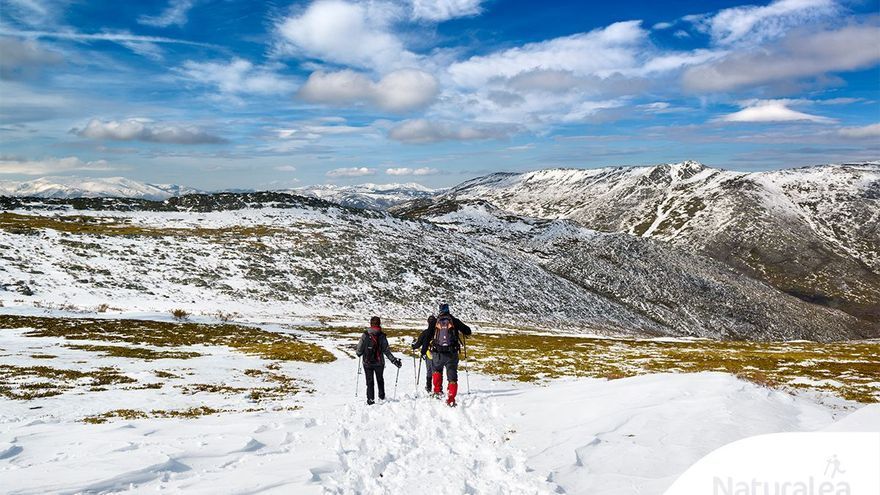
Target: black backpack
pixel 373 348
pixel 445 335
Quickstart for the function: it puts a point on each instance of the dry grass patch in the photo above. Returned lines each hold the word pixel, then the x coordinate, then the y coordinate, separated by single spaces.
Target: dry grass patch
pixel 32 382
pixel 250 340
pixel 531 357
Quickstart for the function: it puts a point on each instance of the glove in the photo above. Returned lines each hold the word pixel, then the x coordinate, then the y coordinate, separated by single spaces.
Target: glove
pixel 414 345
pixel 397 363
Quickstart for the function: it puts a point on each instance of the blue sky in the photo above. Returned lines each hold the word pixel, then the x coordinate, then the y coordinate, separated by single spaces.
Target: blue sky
pixel 233 94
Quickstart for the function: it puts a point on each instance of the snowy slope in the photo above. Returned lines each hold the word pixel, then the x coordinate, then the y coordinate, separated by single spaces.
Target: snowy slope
pixel 812 232
pixel 76 187
pixel 278 255
pixel 577 436
pixel 372 196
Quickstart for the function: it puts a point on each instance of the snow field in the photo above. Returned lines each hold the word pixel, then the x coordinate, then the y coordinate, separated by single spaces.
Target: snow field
pixel 577 436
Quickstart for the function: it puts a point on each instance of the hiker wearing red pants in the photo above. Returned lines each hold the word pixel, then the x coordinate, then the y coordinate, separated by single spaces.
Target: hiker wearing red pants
pixel 448 331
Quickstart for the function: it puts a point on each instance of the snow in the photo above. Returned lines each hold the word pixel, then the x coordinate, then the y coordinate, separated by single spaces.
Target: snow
pixel 74 187
pixel 577 436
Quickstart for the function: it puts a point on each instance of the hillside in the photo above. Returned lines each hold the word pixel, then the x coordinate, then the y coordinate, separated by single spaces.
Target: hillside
pixel 278 256
pixel 812 232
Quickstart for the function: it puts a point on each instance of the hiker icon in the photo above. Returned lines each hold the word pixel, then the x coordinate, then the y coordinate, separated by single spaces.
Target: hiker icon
pixel 833 464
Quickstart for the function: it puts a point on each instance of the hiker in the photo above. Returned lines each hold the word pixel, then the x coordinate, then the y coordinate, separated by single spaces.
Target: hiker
pixel 372 346
pixel 444 350
pixel 423 343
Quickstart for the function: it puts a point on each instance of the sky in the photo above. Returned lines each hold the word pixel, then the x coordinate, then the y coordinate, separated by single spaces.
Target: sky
pixel 220 94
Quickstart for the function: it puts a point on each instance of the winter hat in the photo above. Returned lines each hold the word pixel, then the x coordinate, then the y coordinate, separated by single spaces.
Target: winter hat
pixel 444 309
pixel 375 322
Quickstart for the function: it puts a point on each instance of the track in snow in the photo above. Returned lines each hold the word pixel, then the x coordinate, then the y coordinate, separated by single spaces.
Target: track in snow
pixel 420 442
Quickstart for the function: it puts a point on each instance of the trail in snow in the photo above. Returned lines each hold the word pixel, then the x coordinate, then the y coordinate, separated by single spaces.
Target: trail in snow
pixel 421 442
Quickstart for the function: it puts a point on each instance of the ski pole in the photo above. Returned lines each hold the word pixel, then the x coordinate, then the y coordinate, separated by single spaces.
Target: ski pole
pixel 395 382
pixel 358 379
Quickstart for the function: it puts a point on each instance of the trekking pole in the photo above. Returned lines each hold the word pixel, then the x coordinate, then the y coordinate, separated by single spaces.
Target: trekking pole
pixel 395 383
pixel 358 379
pixel 419 373
pixel 467 376
pixel 415 374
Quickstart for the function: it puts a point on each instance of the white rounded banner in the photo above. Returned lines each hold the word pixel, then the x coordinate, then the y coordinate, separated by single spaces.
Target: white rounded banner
pixel 822 463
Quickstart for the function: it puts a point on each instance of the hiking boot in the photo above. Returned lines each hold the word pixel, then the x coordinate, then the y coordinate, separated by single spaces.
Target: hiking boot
pixel 370 402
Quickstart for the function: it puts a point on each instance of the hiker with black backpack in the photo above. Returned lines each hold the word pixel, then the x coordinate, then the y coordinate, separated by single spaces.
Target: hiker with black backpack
pixel 423 343
pixel 448 331
pixel 372 347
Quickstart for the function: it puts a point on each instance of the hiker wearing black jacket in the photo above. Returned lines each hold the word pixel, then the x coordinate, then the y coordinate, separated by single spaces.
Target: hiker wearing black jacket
pixel 423 343
pixel 372 347
pixel 448 331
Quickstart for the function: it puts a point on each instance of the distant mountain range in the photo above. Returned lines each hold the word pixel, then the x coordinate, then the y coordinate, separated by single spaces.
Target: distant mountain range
pixel 105 187
pixel 371 196
pixel 675 249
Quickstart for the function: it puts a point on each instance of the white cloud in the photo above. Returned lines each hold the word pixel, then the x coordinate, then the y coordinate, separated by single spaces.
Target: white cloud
pixel 10 165
pixel 341 32
pixel 753 25
pixel 443 10
pixel 174 14
pixel 115 37
pixel 22 59
pixel 871 131
pixel 285 168
pixel 350 172
pixel 772 111
pixel 146 130
pixel 421 131
pixel 239 76
pixel 411 171
pixel 662 25
pixel 600 52
pixel 795 57
pixel 33 12
pixel 398 91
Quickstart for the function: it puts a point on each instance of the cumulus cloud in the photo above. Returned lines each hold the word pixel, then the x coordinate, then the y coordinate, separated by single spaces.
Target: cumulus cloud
pixel 350 172
pixel 421 131
pixel 600 52
pixel 772 111
pixel 756 24
pixel 23 59
pixel 10 165
pixel 411 171
pixel 871 131
pixel 347 33
pixel 398 91
pixel 798 56
pixel 174 14
pixel 238 76
pixel 146 130
pixel 443 10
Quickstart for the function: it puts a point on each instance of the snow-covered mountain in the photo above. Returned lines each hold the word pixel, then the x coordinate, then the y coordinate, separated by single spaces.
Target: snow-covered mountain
pixel 79 187
pixel 811 232
pixel 275 255
pixel 371 196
